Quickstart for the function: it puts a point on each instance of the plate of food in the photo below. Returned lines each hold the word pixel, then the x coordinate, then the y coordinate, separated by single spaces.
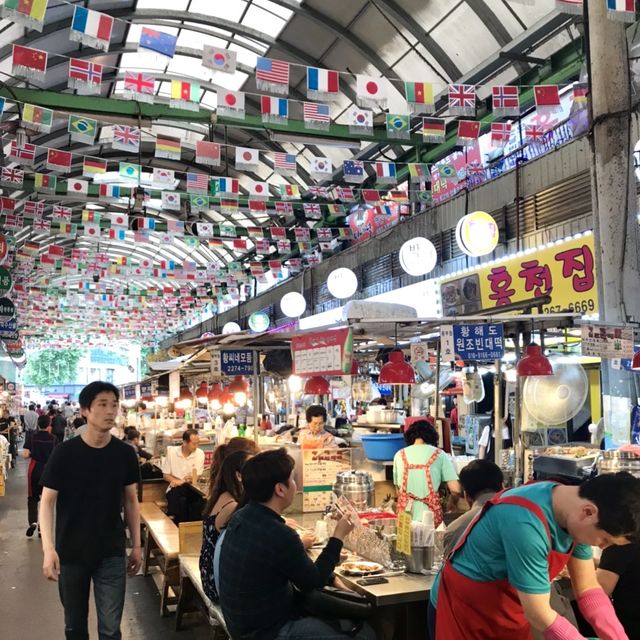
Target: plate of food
pixel 361 568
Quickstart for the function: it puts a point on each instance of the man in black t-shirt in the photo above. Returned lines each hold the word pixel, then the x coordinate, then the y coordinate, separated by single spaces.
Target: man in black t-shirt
pixel 619 576
pixel 87 480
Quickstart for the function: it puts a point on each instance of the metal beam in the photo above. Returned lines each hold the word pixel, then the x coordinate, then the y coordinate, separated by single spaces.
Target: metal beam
pixel 395 11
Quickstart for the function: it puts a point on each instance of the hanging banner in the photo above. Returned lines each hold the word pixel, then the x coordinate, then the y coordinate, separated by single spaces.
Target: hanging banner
pixel 129 392
pixel 322 353
pixel 484 342
pixel 368 221
pixel 566 272
pixel 237 362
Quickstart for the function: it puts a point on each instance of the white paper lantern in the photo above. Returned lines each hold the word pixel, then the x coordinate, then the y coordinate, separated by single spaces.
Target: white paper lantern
pixel 231 327
pixel 293 304
pixel 259 321
pixel 342 283
pixel 477 234
pixel 418 256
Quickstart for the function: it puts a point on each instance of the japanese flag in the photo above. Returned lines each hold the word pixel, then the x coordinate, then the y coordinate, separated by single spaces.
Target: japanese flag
pixel 79 187
pixel 92 231
pixel 259 190
pixel 370 92
pixel 119 220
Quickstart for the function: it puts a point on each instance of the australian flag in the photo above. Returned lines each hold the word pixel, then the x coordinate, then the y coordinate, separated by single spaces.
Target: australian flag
pixel 158 41
pixel 353 171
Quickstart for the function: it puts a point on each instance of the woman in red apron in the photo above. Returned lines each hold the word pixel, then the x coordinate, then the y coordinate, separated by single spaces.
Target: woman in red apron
pixel 491 610
pixel 419 469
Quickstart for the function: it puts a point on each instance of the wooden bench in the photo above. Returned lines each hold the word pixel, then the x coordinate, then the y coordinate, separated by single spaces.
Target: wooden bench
pixel 152 490
pixel 193 597
pixel 161 548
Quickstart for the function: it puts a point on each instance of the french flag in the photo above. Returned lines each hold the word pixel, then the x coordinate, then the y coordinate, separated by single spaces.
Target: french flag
pixel 622 10
pixel 274 106
pixel 322 81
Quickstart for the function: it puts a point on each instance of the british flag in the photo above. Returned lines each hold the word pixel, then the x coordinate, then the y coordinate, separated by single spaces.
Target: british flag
pixel 27 152
pixel 12 176
pixel 137 82
pixel 462 99
pixel 33 209
pixel 284 208
pixel 533 133
pixel 41 224
pixel 505 100
pixel 321 192
pixel 84 73
pixel 126 138
pixel 61 213
pixel 312 210
pixel 324 234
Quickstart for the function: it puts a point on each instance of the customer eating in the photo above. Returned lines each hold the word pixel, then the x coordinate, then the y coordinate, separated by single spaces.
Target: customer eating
pixel 261 561
pixel 420 469
pixel 496 582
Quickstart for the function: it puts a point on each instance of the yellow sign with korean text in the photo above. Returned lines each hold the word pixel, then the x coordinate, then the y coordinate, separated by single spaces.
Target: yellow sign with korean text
pixel 403 534
pixel 566 272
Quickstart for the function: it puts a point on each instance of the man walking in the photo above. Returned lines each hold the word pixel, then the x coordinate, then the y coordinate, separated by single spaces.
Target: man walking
pixel 31 419
pixel 86 481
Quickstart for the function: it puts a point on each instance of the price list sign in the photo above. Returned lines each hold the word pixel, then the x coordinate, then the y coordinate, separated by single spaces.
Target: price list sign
pixel 478 341
pixel 322 353
pixel 319 470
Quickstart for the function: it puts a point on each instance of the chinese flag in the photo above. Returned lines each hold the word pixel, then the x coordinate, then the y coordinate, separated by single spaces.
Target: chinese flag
pixel 547 96
pixel 59 158
pixel 468 129
pixel 31 58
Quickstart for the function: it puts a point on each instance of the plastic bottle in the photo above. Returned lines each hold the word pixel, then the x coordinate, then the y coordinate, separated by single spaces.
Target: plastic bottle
pixel 242 429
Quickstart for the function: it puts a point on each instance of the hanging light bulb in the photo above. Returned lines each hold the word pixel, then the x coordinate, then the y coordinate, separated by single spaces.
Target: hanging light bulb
pixel 239 388
pixel 215 395
pixel 294 383
pixel 202 393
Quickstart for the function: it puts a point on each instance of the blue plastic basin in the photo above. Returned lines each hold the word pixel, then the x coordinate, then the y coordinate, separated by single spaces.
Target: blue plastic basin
pixel 382 446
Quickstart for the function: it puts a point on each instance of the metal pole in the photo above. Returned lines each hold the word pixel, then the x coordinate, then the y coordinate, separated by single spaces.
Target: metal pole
pixel 497 413
pixel 436 413
pixel 257 395
pixel 517 423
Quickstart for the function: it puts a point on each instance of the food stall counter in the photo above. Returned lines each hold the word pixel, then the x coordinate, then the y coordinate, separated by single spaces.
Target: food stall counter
pixel 402 589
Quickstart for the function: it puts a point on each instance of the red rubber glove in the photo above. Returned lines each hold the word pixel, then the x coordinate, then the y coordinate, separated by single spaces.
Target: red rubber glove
pixel 562 629
pixel 598 611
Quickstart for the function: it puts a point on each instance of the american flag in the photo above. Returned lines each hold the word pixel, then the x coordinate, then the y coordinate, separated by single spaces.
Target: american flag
pixel 26 152
pixel 139 82
pixel 316 112
pixel 85 71
pixel 284 208
pixel 270 70
pixel 197 182
pixel 462 96
pixel 284 161
pixel 505 97
pixel 33 208
pixel 126 136
pixel 14 176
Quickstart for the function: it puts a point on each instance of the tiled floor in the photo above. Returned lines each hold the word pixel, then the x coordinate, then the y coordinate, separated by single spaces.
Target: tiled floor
pixel 29 604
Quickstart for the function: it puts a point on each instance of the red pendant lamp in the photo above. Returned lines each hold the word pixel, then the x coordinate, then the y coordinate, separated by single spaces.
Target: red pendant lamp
pixel 238 385
pixel 185 394
pixel 534 363
pixel 635 363
pixel 317 386
pixel 215 395
pixel 397 370
pixel 202 392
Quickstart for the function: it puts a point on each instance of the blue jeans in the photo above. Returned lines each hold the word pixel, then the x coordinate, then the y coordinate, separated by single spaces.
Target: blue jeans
pixel 109 584
pixel 317 629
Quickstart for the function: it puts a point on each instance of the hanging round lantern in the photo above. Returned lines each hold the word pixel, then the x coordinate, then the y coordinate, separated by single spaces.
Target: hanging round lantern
pixel 418 256
pixel 230 327
pixel 215 396
pixel 259 321
pixel 342 283
pixel 477 234
pixel 293 304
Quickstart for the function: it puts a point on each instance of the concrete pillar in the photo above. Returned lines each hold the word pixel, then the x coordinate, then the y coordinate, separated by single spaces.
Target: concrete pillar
pixel 617 234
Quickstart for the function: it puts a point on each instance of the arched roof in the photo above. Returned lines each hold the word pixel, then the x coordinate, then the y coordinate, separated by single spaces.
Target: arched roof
pixel 476 41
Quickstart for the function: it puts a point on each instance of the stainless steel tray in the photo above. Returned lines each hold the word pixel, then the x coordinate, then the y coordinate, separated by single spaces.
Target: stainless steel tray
pixel 564 466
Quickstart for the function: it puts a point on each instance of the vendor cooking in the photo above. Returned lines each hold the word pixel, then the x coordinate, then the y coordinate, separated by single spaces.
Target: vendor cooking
pixel 496 582
pixel 418 471
pixel 314 436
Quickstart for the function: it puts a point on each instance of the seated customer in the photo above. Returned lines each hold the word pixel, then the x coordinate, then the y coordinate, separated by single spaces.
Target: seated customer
pixel 262 561
pixel 226 449
pixel 132 437
pixel 222 503
pixel 480 480
pixel 183 503
pixel 314 435
pixel 619 576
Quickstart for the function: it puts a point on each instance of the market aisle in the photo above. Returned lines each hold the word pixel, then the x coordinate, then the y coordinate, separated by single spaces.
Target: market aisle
pixel 29 604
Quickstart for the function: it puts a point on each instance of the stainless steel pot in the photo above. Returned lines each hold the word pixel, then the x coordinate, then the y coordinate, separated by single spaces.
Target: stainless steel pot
pixel 614 461
pixel 357 486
